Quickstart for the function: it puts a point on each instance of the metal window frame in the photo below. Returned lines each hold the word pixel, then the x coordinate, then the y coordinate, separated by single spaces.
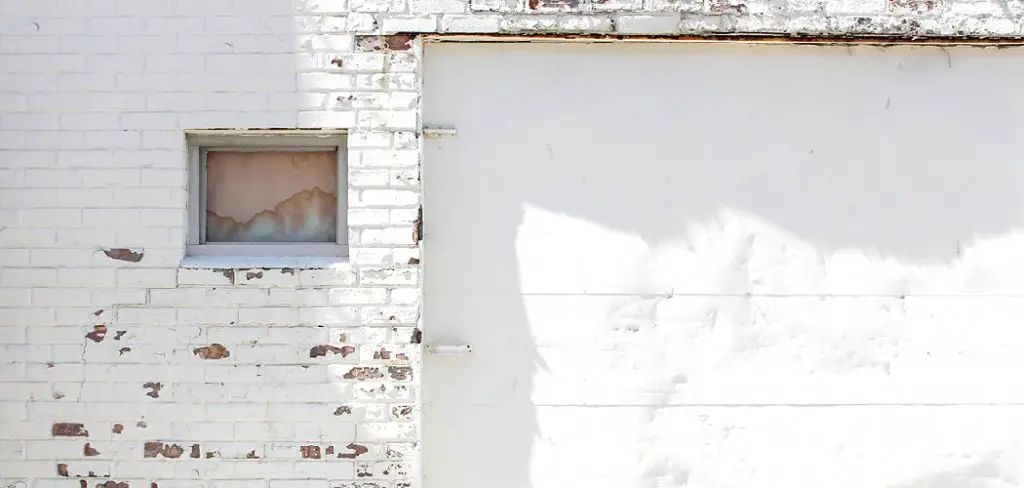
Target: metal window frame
pixel 201 142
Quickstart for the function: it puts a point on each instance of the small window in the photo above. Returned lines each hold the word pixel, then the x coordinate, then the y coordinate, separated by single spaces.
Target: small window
pixel 267 194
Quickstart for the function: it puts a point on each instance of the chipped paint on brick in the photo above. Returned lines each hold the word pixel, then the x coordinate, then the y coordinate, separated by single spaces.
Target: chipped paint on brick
pixel 98 333
pixel 124 254
pixel 400 373
pixel 155 448
pixel 394 42
pixel 119 334
pixel 117 429
pixel 113 484
pixel 357 450
pixel 65 429
pixel 194 454
pixel 228 273
pixel 402 412
pixel 62 470
pixel 343 410
pixel 213 351
pixel 310 452
pixel 251 455
pixel 363 373
pixel 120 352
pixel 90 451
pixel 324 349
pixel 154 389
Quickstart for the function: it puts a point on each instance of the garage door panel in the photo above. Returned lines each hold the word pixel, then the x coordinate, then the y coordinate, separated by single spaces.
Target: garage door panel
pixel 723 266
pixel 765 163
pixel 893 446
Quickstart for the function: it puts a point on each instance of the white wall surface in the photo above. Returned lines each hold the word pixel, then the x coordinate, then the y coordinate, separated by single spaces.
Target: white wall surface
pixel 724 266
pixel 94 96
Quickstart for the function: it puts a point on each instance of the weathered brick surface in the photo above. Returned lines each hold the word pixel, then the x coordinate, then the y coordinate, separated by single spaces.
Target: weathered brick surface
pixel 112 354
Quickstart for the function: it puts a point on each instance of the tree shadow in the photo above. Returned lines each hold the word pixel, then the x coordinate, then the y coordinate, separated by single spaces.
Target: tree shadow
pixel 593 178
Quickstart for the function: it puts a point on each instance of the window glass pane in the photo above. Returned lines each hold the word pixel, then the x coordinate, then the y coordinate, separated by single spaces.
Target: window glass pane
pixel 271 196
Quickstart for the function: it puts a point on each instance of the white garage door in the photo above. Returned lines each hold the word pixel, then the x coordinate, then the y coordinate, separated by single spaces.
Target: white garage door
pixel 724 266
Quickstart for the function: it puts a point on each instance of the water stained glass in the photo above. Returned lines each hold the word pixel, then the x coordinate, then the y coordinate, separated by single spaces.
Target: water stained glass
pixel 271 196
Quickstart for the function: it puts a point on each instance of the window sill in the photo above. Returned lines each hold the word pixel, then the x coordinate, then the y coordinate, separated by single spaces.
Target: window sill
pixel 263 262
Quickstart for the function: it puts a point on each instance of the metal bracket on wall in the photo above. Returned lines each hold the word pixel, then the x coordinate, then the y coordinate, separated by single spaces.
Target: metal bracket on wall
pixel 438 132
pixel 457 350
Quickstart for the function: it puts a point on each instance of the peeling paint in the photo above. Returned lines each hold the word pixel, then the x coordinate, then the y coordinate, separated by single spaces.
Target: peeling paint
pixel 156 448
pixel 400 373
pixel 323 349
pixel 250 275
pixel 195 452
pixel 343 410
pixel 89 451
pixel 99 332
pixel 357 450
pixel 64 429
pixel 154 389
pixel 62 470
pixel 113 484
pixel 213 351
pixel 118 428
pixel 227 272
pixel 251 455
pixel 119 334
pixel 120 352
pixel 310 452
pixel 360 373
pixel 124 254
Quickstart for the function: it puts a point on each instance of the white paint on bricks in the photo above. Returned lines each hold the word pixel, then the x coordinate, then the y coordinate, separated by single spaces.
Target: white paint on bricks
pixel 755 266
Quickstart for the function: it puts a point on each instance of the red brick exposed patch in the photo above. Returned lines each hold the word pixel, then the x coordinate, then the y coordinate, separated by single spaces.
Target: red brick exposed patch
pixel 83 484
pixel 727 7
pixel 154 389
pixel 213 351
pixel 343 410
pixel 357 450
pixel 118 428
pixel 62 470
pixel 251 455
pixel 122 254
pixel 382 354
pixel 414 261
pixel 402 412
pixel 113 484
pixel 400 373
pixel 394 42
pixel 359 373
pixel 329 451
pixel 154 449
pixel 195 452
pixel 310 452
pixel 99 332
pixel 90 451
pixel 554 4
pixel 916 6
pixel 228 273
pixel 323 349
pixel 64 429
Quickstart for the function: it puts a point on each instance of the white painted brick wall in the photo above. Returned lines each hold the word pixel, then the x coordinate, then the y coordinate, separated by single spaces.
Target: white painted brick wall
pixel 93 100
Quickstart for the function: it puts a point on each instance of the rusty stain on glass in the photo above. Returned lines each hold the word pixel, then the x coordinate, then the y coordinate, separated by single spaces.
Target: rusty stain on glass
pixel 271 196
